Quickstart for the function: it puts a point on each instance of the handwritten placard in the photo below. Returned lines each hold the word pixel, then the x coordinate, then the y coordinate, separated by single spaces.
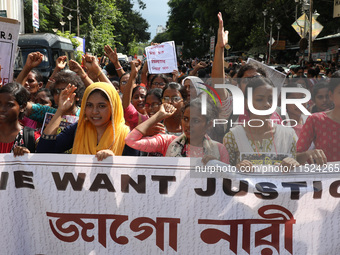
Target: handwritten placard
pixel 161 58
pixel 9 33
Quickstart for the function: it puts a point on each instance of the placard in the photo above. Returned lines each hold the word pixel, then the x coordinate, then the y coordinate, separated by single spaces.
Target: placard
pixel 161 58
pixel 9 33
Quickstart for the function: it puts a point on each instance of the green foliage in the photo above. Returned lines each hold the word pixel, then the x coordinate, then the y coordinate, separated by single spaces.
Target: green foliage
pixel 137 48
pixel 131 27
pixel 102 22
pixel 192 22
pixel 75 43
pixel 162 37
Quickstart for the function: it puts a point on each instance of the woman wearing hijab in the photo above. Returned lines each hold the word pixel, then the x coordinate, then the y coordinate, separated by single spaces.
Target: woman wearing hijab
pixel 101 128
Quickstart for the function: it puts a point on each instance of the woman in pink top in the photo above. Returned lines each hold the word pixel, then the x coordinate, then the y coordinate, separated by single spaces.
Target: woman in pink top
pixel 194 141
pixel 323 129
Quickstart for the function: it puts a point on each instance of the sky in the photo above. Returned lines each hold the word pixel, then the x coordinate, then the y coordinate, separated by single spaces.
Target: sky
pixel 156 13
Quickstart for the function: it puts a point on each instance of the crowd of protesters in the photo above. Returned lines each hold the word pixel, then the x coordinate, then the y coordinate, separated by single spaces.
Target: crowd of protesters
pixel 124 110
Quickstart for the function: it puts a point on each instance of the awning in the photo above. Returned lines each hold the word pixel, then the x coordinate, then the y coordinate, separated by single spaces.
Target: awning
pixel 328 37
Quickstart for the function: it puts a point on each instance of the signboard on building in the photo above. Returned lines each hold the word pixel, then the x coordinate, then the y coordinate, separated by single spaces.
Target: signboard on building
pixel 35 13
pixel 212 43
pixel 3 13
pixel 336 12
pixel 279 45
pixel 333 50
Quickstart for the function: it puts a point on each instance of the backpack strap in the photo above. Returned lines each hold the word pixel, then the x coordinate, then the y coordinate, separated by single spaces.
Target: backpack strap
pixel 29 139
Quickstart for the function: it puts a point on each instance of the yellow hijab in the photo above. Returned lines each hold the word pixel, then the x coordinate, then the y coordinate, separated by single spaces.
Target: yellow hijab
pixel 85 141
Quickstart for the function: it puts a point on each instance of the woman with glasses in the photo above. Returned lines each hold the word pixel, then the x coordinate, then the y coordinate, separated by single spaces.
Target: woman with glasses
pixel 159 81
pixel 153 101
pixel 174 94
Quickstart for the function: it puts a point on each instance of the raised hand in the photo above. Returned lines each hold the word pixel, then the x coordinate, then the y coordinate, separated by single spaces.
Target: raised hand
pixel 34 59
pixel 92 66
pixel 76 67
pixel 61 62
pixel 111 54
pixel 66 98
pixel 166 110
pixel 222 36
pixel 135 67
pixel 201 65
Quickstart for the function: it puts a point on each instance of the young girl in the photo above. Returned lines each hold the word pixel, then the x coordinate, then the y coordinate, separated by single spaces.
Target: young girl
pixel 159 81
pixel 192 143
pixel 101 128
pixel 44 97
pixel 261 141
pixel 174 94
pixel 14 137
pixel 293 112
pixel 320 98
pixel 323 129
pixel 153 101
pixel 138 99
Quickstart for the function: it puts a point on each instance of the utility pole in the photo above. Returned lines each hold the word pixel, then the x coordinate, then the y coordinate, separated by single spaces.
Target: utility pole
pixel 78 18
pixel 310 49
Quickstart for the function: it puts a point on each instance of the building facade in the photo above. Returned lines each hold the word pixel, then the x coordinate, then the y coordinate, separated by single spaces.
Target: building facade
pixel 14 10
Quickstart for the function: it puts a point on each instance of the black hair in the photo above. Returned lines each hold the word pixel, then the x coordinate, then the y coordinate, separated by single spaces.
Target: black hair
pixel 202 73
pixel 137 88
pixel 157 92
pixel 102 93
pixel 180 79
pixel 212 110
pixel 248 67
pixel 257 82
pixel 38 75
pixel 318 86
pixel 335 81
pixel 312 72
pixel 120 78
pixel 111 70
pixel 293 85
pixel 19 92
pixel 174 85
pixel 48 94
pixel 163 76
pixel 67 77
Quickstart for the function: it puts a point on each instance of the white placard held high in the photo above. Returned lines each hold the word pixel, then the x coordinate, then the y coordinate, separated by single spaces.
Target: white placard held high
pixel 161 58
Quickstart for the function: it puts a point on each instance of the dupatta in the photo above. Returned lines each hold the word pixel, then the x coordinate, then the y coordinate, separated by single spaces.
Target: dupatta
pixel 85 141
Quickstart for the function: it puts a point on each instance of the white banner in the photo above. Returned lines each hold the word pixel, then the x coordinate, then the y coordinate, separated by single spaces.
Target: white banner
pixel 73 204
pixel 9 33
pixel 161 58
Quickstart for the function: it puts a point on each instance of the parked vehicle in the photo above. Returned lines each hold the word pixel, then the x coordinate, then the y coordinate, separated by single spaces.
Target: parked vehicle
pixel 50 45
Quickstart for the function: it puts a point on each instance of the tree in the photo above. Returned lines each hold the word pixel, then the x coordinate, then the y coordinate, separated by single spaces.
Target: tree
pixel 194 21
pixel 162 37
pixel 131 27
pixel 102 22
